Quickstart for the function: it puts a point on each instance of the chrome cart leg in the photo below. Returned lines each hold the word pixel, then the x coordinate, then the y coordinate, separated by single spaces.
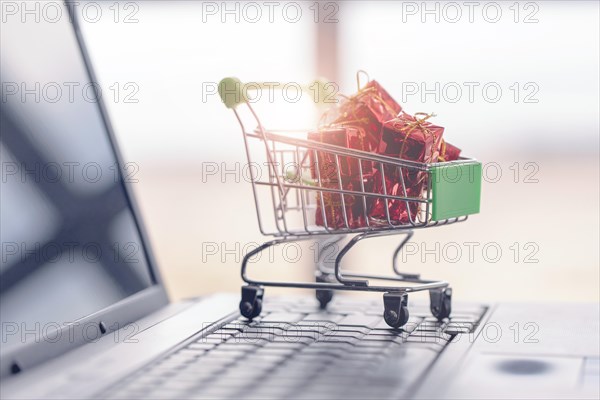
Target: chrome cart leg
pixel 395 309
pixel 327 247
pixel 338 260
pixel 251 303
pixel 441 302
pixel 404 275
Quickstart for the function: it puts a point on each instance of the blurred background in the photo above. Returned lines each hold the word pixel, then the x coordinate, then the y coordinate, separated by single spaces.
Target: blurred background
pixel 515 85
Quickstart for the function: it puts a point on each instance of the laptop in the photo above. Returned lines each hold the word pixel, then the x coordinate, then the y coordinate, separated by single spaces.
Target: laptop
pixel 85 314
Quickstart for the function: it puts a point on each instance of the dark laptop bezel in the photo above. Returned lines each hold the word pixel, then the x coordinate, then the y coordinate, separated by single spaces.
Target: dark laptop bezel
pixel 117 315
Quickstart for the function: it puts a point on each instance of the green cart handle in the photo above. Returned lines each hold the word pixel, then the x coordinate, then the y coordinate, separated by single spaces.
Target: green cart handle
pixel 233 92
pixel 230 90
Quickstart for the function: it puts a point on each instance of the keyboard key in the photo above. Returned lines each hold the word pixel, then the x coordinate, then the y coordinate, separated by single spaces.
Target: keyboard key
pixel 348 308
pixel 216 339
pixel 225 332
pixel 388 332
pixel 411 325
pixel 439 335
pixel 225 354
pixel 306 332
pixel 426 339
pixel 304 309
pixel 251 341
pixel 430 326
pixel 237 347
pixel 201 346
pixel 242 370
pixel 341 334
pixel 339 340
pixel 368 321
pixel 454 328
pixel 377 344
pixel 320 326
pixel 284 345
pixel 324 317
pixel 275 349
pixel 283 317
pixel 305 340
pixel 264 392
pixel 321 346
pixel 464 318
pixel 198 372
pixel 184 354
pixel 215 392
pixel 348 328
pixel 260 359
pixel 382 338
pixel 239 322
pixel 325 352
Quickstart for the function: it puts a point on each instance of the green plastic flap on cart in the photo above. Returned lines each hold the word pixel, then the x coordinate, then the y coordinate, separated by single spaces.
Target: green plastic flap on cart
pixel 456 190
pixel 231 91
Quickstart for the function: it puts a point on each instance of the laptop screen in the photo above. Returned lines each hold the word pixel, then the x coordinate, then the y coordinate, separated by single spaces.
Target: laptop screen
pixel 70 243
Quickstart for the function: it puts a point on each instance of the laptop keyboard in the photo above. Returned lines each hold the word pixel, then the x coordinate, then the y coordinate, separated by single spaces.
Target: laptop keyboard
pixel 295 351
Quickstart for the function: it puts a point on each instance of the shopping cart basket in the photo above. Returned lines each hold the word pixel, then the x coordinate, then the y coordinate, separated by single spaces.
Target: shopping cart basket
pixel 289 197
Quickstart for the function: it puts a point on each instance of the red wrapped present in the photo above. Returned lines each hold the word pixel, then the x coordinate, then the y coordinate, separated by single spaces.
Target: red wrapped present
pixel 408 138
pixel 353 207
pixel 343 136
pixel 398 210
pixel 448 152
pixel 411 138
pixel 334 213
pixel 368 109
pixel 325 167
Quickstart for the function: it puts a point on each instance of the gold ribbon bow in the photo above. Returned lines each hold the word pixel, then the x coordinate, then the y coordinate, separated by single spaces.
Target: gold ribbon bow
pixel 409 125
pixel 442 155
pixel 361 92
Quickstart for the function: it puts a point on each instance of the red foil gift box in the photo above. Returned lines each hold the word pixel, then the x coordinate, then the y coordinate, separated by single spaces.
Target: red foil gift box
pixel 411 138
pixel 398 210
pixel 448 152
pixel 325 167
pixel 343 136
pixel 408 138
pixel 368 109
pixel 331 209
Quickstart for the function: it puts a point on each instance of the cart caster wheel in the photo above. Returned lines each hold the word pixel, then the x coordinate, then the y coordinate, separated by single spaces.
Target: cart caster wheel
pixel 324 296
pixel 251 304
pixel 441 303
pixel 396 309
pixel 396 319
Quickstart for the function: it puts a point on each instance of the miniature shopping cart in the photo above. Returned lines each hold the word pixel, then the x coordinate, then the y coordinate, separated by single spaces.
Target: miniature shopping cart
pixel 288 196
